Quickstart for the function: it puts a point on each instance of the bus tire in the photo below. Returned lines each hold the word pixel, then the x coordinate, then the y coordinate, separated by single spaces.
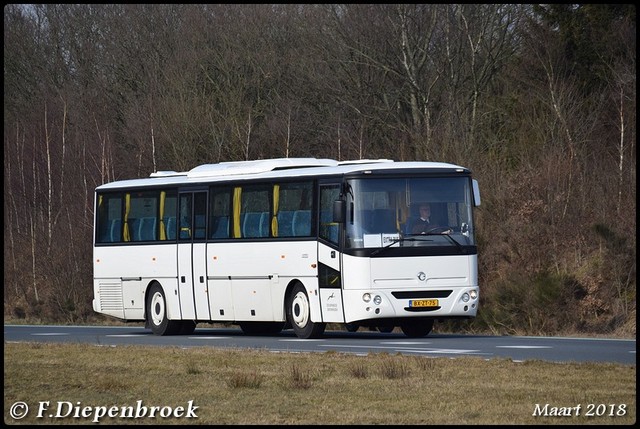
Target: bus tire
pixel 299 314
pixel 385 328
pixel 351 327
pixel 157 313
pixel 417 328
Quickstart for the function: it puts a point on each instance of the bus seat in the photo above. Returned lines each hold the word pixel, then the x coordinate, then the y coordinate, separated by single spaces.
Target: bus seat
pixel 221 227
pixel 328 228
pixel 170 226
pixel 264 224
pixel 302 223
pixel 115 230
pixel 251 225
pixel 285 223
pixel 147 229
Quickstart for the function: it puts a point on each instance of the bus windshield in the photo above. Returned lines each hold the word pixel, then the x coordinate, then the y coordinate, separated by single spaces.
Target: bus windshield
pixel 400 212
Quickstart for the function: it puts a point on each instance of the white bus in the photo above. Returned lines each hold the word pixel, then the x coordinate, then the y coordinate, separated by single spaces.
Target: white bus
pixel 288 243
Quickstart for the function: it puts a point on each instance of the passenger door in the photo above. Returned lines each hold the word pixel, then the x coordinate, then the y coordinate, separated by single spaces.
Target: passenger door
pixel 329 256
pixel 192 258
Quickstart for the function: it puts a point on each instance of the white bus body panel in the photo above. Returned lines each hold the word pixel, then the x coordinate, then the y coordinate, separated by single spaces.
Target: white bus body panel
pixel 332 310
pixel 122 274
pixel 382 276
pixel 248 281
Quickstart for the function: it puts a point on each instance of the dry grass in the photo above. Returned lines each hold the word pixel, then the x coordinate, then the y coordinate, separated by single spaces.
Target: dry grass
pixel 259 387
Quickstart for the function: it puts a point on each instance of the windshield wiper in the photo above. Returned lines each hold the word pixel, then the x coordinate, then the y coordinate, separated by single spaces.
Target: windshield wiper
pixel 396 241
pixel 444 233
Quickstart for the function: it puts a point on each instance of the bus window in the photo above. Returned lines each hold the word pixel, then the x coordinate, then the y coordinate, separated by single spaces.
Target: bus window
pixel 254 211
pixel 143 216
pixel 220 212
pixel 293 214
pixel 109 220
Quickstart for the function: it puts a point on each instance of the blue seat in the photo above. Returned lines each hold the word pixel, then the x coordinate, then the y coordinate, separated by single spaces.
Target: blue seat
pixel 264 224
pixel 328 228
pixel 302 223
pixel 251 224
pixel 170 227
pixel 285 223
pixel 146 229
pixel 115 230
pixel 220 227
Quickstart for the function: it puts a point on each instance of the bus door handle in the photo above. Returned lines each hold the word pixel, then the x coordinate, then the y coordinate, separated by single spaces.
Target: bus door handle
pixel 201 279
pixel 182 279
pixel 333 253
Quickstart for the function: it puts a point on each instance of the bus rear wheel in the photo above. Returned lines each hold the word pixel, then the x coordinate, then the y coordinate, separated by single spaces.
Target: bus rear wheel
pixel 417 328
pixel 299 314
pixel 157 313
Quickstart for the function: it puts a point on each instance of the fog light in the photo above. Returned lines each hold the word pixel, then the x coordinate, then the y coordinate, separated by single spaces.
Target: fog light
pixel 377 299
pixel 465 297
pixel 366 297
pixel 473 293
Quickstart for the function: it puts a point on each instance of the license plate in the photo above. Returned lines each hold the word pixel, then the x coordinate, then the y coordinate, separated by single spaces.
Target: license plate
pixel 423 303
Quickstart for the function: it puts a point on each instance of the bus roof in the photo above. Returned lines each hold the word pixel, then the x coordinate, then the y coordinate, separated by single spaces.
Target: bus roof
pixel 278 168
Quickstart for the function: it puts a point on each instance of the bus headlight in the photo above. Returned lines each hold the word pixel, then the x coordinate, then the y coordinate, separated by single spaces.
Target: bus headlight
pixel 366 297
pixel 473 293
pixel 465 297
pixel 377 299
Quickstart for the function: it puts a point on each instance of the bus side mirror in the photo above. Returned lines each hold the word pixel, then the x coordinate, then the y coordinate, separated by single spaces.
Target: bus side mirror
pixel 339 211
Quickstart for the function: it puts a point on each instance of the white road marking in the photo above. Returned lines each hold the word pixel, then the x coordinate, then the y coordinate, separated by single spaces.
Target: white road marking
pixel 206 338
pixel 303 340
pixel 524 347
pixel 127 335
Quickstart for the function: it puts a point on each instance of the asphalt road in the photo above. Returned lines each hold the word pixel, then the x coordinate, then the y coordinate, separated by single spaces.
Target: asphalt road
pixel 553 349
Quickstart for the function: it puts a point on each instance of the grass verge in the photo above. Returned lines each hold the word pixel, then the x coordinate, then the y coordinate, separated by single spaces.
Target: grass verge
pixel 260 387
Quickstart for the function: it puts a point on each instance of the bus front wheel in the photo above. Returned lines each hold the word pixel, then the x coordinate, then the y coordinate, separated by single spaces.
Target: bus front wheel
pixel 157 313
pixel 299 314
pixel 417 328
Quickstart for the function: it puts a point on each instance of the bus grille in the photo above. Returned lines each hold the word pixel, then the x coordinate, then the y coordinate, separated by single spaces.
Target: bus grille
pixel 110 296
pixel 422 294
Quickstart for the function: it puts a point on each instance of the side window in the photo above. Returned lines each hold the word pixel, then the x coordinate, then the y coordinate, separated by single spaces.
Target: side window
pixel 254 212
pixel 142 216
pixel 168 224
pixel 220 213
pixel 292 204
pixel 329 230
pixel 109 220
